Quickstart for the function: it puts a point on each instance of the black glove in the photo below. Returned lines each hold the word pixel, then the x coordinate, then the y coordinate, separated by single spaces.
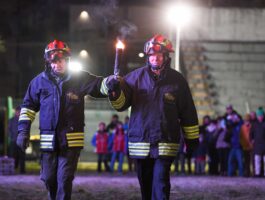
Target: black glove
pixel 113 83
pixel 23 140
pixel 191 146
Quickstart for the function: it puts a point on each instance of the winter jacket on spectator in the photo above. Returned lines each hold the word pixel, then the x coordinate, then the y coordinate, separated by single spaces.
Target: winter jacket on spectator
pixel 245 138
pixel 100 141
pixel 118 141
pixel 258 135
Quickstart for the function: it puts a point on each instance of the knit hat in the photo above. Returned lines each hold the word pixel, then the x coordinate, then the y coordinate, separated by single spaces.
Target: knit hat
pixel 260 112
pixel 230 106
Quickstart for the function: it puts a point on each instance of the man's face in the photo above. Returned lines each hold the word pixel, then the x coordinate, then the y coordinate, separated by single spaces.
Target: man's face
pixel 115 119
pixel 101 127
pixel 229 111
pixel 156 59
pixel 59 66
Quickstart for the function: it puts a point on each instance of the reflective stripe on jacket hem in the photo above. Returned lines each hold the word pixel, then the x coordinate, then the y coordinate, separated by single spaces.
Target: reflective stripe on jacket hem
pixel 142 149
pixel 75 139
pixel 46 141
pixel 168 149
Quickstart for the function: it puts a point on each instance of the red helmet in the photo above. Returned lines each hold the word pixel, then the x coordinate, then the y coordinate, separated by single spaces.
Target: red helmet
pixel 159 44
pixel 56 50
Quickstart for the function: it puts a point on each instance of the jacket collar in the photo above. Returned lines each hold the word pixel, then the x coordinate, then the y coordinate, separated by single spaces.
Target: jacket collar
pixel 160 77
pixel 47 75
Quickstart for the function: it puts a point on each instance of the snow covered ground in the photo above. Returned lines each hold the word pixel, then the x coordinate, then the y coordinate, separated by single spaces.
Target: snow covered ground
pixel 126 187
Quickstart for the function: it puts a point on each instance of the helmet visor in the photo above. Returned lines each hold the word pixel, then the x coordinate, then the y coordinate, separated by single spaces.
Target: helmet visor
pixel 56 55
pixel 152 47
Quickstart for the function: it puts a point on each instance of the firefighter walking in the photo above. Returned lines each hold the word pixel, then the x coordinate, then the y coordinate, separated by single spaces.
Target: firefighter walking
pixel 161 105
pixel 59 97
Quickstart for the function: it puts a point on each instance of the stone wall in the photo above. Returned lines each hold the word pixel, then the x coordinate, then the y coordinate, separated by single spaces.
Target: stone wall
pixel 226 73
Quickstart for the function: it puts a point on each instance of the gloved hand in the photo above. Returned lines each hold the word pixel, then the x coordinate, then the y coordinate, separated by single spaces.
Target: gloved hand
pixel 113 83
pixel 191 146
pixel 23 140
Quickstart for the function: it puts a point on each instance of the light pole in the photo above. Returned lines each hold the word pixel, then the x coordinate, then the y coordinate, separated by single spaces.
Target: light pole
pixel 177 50
pixel 178 15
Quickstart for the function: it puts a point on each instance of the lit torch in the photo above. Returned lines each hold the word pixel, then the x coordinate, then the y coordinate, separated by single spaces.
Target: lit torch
pixel 119 50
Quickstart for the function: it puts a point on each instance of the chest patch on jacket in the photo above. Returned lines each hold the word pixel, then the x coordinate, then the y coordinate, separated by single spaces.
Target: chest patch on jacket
pixel 45 92
pixel 72 96
pixel 169 97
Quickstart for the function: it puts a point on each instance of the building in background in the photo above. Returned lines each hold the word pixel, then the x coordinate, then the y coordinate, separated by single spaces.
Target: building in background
pixel 221 51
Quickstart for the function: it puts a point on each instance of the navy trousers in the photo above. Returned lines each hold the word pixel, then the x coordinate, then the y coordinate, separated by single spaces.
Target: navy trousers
pixel 57 172
pixel 154 178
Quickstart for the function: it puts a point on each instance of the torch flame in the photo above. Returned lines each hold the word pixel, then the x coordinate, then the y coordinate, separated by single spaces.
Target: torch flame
pixel 120 45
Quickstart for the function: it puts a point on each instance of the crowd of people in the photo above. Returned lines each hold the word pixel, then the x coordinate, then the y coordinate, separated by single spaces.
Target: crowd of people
pixel 230 145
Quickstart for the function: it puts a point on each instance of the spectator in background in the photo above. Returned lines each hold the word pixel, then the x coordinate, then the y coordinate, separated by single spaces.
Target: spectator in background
pixel 222 146
pixel 118 149
pixel 180 157
pixel 200 156
pixel 234 124
pixel 231 111
pixel 245 141
pixel 110 129
pixel 15 151
pixel 125 128
pixel 205 122
pixel 113 123
pixel 100 142
pixel 188 158
pixel 211 138
pixel 258 138
pixel 253 117
pixel 203 130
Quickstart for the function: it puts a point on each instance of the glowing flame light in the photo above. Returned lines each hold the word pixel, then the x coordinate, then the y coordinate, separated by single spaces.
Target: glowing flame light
pixel 120 45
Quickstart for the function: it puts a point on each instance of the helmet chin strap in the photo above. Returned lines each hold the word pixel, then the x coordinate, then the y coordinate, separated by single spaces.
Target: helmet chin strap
pixel 156 68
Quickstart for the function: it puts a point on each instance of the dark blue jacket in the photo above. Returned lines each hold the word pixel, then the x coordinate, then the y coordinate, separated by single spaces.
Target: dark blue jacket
pixel 258 135
pixel 61 106
pixel 160 107
pixel 12 129
pixel 235 137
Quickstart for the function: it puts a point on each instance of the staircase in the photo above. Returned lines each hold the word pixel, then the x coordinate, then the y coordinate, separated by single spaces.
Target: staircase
pixel 196 72
pixel 222 73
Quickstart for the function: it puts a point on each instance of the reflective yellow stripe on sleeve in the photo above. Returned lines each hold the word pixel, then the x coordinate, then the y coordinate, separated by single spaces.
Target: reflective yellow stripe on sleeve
pixel 168 149
pixel 191 132
pixel 103 87
pixel 75 139
pixel 119 103
pixel 27 114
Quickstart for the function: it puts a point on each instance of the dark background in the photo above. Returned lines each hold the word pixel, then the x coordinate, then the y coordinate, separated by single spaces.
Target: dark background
pixel 28 25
